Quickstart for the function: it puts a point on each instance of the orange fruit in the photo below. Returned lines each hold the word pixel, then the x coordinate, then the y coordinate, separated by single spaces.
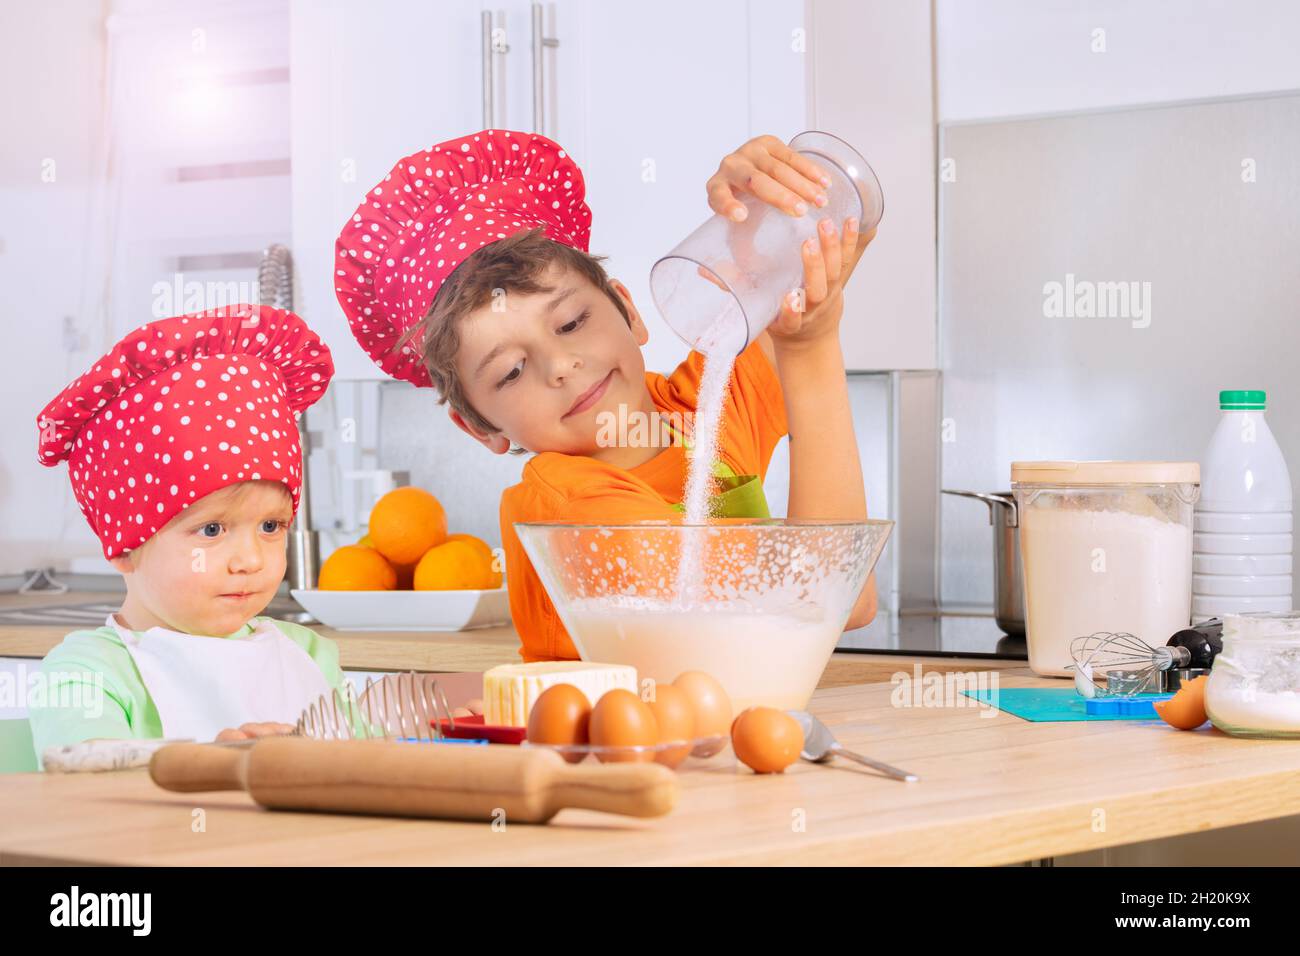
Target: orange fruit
pixel 405 523
pixel 357 568
pixel 453 566
pixel 484 549
pixel 478 543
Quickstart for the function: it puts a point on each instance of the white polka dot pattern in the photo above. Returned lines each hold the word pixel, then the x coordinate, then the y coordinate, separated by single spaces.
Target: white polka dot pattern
pixel 431 212
pixel 181 408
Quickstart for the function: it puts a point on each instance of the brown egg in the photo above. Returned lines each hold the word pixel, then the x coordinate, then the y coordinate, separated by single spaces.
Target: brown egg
pixel 560 716
pixel 732 729
pixel 1186 709
pixel 712 709
pixel 621 719
pixel 766 740
pixel 675 718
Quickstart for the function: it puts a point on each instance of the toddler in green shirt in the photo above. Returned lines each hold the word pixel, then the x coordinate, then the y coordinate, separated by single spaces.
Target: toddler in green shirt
pixel 183 453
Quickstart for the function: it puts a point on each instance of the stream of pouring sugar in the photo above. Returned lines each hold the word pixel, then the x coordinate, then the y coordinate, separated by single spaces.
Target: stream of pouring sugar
pixel 714 379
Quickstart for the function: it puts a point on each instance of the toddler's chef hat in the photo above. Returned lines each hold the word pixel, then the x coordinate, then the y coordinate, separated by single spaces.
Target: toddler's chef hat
pixel 181 408
pixel 432 212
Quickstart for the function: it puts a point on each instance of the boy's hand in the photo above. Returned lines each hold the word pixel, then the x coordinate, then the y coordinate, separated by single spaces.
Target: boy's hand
pixel 813 313
pixel 772 171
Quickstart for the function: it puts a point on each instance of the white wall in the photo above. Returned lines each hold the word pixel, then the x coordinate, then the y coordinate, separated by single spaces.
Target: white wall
pixel 1000 58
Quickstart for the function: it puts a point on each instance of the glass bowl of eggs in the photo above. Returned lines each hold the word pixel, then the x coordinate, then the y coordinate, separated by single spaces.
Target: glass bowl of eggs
pixel 672 754
pixel 759 604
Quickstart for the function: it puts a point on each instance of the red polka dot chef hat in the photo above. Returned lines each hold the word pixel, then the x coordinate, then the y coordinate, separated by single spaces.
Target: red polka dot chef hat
pixel 181 408
pixel 435 209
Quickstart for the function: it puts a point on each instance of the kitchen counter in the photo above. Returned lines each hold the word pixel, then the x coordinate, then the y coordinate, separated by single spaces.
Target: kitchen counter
pixel 993 790
pixel 475 650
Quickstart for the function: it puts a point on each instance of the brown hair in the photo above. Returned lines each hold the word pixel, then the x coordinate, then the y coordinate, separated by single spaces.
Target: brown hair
pixel 514 264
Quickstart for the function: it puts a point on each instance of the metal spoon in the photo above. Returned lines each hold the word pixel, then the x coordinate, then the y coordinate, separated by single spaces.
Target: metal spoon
pixel 820 746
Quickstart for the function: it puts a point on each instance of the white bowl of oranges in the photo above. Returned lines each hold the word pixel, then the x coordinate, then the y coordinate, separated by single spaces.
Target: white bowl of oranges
pixel 408 574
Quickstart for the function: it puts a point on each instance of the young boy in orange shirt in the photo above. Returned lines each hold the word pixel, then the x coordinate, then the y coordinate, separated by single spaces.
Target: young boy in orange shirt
pixel 467 270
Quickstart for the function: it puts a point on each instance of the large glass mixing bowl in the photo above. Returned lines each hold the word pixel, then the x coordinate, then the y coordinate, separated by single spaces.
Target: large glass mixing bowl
pixel 758 604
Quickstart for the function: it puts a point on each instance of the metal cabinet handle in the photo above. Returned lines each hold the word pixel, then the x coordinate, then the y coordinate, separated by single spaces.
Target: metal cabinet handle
pixel 540 42
pixel 486 21
pixel 491 47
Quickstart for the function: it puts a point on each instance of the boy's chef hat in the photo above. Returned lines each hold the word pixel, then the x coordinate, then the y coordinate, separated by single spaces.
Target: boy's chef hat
pixel 180 408
pixel 435 209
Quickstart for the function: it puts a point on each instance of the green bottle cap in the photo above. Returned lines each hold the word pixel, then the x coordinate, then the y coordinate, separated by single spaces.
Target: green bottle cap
pixel 1242 400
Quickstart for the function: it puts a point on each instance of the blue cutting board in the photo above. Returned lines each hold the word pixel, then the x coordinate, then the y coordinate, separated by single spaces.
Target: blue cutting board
pixel 1044 704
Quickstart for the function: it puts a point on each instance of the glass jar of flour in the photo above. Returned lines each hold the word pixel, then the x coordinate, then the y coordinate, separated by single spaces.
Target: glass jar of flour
pixel 1106 546
pixel 1254 687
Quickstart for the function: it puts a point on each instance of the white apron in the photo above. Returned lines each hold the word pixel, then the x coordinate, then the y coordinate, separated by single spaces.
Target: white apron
pixel 203 685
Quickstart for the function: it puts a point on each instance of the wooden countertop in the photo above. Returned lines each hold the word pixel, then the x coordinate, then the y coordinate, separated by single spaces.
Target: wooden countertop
pixel 993 790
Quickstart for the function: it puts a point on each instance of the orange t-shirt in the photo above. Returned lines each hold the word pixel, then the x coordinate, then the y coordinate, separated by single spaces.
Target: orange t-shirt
pixel 559 487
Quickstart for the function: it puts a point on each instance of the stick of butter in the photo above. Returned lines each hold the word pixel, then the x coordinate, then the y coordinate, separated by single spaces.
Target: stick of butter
pixel 510 690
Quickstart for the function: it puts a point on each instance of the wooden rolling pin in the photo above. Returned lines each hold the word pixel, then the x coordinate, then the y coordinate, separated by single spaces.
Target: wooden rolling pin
pixel 415 780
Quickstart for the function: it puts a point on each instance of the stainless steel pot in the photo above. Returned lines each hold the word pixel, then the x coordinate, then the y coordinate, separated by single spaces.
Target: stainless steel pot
pixel 1008 576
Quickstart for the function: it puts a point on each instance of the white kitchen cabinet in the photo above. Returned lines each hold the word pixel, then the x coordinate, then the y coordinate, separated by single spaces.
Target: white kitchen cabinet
pixel 871 84
pixel 647 97
pixel 370 83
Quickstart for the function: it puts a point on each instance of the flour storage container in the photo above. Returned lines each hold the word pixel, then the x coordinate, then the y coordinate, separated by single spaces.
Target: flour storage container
pixel 1106 546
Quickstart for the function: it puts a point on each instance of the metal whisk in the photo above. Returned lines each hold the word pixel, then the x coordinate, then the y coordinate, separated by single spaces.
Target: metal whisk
pixel 406 706
pixel 1105 651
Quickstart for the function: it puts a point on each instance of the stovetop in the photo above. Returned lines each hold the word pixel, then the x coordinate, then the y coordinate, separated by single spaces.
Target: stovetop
pixel 966 632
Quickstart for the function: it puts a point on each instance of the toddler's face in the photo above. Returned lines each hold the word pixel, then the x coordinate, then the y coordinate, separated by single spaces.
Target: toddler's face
pixel 544 367
pixel 215 565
